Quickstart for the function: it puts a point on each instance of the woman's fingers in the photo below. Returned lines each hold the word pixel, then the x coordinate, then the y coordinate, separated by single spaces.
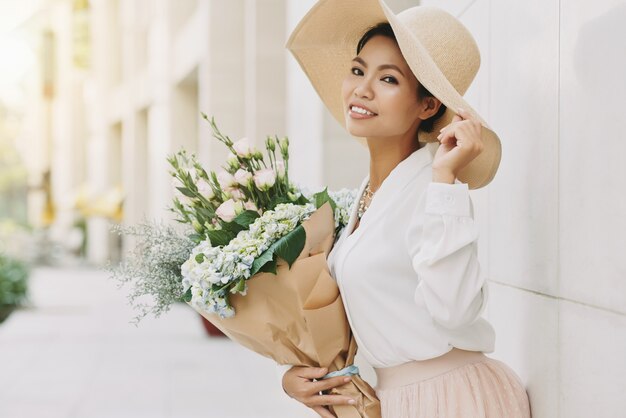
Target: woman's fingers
pixel 332 382
pixel 463 114
pixel 460 116
pixel 320 400
pixel 311 372
pixel 463 125
pixel 299 383
pixel 323 412
pixel 448 136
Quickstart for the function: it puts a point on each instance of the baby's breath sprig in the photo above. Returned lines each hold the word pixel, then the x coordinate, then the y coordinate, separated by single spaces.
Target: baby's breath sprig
pixel 152 268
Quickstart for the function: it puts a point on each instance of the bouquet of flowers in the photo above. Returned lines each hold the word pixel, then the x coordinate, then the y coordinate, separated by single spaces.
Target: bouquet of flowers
pixel 257 267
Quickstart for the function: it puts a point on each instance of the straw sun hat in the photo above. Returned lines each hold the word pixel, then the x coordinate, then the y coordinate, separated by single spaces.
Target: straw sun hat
pixel 440 51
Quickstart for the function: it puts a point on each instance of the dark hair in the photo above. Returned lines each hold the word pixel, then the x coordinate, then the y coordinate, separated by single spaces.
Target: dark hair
pixel 384 29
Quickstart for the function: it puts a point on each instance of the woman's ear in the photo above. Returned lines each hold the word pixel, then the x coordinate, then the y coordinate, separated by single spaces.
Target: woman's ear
pixel 429 107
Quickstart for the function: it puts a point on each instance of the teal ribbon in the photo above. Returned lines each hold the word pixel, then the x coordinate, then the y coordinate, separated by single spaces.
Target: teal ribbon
pixel 346 371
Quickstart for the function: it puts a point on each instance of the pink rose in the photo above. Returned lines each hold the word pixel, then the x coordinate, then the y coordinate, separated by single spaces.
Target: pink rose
pixel 229 210
pixel 204 188
pixel 243 148
pixel 243 177
pixel 249 205
pixel 264 178
pixel 226 179
pixel 236 194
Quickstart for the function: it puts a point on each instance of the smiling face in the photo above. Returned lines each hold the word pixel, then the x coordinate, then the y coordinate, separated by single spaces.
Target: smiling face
pixel 380 93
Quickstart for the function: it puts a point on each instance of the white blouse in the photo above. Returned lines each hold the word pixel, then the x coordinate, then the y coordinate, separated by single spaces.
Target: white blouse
pixel 409 275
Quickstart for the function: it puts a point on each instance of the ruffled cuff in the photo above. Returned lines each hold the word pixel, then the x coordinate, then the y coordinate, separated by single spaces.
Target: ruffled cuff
pixel 448 199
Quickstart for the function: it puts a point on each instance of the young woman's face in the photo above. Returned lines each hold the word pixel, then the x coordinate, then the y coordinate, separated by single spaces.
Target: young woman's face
pixel 380 81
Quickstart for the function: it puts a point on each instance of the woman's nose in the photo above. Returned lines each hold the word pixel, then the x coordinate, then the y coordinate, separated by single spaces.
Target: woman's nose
pixel 363 89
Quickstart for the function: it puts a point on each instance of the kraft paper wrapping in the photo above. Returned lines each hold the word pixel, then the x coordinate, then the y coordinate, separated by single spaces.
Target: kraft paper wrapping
pixel 297 317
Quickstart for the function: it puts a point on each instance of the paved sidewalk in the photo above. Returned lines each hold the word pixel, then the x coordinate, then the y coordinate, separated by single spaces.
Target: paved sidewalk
pixel 75 355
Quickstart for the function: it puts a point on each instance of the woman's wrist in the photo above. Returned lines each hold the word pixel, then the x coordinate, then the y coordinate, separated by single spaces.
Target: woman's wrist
pixel 443 176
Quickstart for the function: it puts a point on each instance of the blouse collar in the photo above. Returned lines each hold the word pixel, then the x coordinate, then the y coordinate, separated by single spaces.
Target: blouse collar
pixel 393 183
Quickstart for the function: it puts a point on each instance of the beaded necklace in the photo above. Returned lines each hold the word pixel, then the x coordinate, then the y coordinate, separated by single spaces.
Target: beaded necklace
pixel 368 194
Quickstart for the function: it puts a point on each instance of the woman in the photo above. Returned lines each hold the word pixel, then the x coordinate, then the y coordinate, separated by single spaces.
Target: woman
pixel 406 263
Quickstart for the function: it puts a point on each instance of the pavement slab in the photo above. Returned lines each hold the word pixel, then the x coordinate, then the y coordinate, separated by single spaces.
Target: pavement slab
pixel 73 353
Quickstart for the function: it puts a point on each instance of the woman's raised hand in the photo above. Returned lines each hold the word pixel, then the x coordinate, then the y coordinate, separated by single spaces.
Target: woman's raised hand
pixel 461 142
pixel 298 383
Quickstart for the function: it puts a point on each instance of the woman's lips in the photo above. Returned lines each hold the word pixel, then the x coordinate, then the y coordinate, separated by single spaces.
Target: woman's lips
pixel 356 115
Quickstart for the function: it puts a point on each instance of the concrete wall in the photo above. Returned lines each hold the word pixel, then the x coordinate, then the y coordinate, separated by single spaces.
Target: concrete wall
pixel 552 221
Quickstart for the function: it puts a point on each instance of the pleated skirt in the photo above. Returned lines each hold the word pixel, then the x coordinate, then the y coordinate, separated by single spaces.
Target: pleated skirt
pixel 459 384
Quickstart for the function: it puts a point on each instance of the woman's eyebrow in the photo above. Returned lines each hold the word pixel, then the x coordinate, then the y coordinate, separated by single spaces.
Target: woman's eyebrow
pixel 380 67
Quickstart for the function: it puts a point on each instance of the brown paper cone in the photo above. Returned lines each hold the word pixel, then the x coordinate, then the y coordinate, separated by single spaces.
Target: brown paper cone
pixel 297 316
pixel 367 404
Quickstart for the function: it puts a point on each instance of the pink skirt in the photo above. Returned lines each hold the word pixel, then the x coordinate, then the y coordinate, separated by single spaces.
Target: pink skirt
pixel 458 384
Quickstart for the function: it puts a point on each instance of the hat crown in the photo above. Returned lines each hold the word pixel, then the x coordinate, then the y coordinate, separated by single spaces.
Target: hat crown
pixel 448 42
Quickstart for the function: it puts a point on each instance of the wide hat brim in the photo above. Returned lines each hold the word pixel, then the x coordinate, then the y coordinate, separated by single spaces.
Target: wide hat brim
pixel 324 43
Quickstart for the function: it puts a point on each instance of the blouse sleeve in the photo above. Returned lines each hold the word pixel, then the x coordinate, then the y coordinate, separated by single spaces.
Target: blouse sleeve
pixel 442 243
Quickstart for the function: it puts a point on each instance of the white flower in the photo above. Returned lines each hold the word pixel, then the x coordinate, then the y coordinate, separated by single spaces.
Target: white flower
pixel 205 189
pixel 243 177
pixel 229 264
pixel 237 194
pixel 264 178
pixel 249 205
pixel 229 209
pixel 344 199
pixel 234 193
pixel 226 179
pixel 243 148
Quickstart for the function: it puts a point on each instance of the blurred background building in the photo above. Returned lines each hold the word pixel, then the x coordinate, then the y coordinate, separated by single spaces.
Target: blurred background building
pixel 118 85
pixel 96 93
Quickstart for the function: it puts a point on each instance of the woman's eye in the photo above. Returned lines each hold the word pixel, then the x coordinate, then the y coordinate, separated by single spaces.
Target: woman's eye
pixel 356 70
pixel 391 79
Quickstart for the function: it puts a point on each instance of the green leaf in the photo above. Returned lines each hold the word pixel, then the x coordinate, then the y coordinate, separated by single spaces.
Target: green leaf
pixel 261 260
pixel 197 238
pixel 220 237
pixel 246 218
pixel 276 201
pixel 206 212
pixel 270 266
pixel 199 258
pixel 241 285
pixel 323 197
pixel 187 177
pixel 187 295
pixel 220 288
pixel 290 246
pixel 177 205
pixel 186 192
pixel 232 227
pixel 301 200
